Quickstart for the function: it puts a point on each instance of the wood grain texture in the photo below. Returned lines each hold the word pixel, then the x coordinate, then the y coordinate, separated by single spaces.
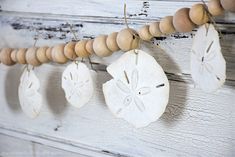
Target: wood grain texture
pixel 15 147
pixel 195 123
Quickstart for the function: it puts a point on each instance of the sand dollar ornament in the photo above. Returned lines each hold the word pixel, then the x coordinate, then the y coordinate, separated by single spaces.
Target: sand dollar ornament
pixel 29 97
pixel 77 84
pixel 139 90
pixel 208 67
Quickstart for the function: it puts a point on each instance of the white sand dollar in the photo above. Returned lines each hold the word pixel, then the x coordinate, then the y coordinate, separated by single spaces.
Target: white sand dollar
pixel 208 67
pixel 29 97
pixel 139 90
pixel 77 84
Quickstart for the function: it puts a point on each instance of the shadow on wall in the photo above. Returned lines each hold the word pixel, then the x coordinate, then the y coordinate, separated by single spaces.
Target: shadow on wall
pixel 55 98
pixel 178 94
pixel 12 82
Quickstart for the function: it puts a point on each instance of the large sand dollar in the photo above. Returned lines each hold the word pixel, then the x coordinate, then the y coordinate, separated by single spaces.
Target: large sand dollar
pixel 139 90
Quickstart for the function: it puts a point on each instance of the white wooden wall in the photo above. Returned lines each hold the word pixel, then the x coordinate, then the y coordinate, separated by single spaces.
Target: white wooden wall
pixel 195 123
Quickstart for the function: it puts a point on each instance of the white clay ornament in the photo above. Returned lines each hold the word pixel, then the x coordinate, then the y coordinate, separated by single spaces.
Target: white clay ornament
pixel 77 84
pixel 29 97
pixel 139 90
pixel 208 67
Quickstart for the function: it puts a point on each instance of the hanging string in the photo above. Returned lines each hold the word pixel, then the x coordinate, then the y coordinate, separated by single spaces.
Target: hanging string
pixel 211 18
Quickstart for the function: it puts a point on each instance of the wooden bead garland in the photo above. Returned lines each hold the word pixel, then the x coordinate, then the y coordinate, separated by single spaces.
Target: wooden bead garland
pixel 80 49
pixel 215 8
pixel 57 54
pixel 100 47
pixel 182 22
pixel 154 29
pixel 144 33
pixel 198 14
pixel 5 56
pixel 41 54
pixel 166 25
pixel 69 50
pixel 228 5
pixel 125 40
pixel 13 55
pixel 48 53
pixel 21 56
pixel 31 57
pixel 128 39
pixel 112 42
pixel 89 46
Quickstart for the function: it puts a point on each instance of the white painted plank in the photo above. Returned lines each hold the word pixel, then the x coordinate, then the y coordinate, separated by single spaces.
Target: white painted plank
pixel 194 124
pixel 151 9
pixel 15 147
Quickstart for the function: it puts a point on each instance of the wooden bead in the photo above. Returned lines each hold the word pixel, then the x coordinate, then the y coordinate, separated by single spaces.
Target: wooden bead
pixel 41 54
pixel 166 25
pixel 144 33
pixel 128 39
pixel 198 14
pixel 100 47
pixel 228 5
pixel 57 54
pixel 111 42
pixel 31 57
pixel 80 49
pixel 215 8
pixel 13 55
pixel 21 56
pixel 48 53
pixel 154 29
pixel 69 50
pixel 182 21
pixel 89 46
pixel 5 56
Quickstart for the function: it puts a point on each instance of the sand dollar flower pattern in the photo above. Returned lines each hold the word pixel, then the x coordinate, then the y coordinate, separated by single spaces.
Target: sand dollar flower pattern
pixel 139 90
pixel 208 67
pixel 29 97
pixel 77 84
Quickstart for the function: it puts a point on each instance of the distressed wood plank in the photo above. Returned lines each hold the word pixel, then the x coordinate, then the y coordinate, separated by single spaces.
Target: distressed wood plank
pixel 137 9
pixel 19 32
pixel 194 124
pixel 15 147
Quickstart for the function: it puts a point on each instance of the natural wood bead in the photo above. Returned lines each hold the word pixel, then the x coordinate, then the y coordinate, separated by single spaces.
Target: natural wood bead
pixel 41 54
pixel 128 39
pixel 13 55
pixel 89 46
pixel 21 56
pixel 182 21
pixel 5 56
pixel 69 50
pixel 228 5
pixel 57 54
pixel 100 47
pixel 31 57
pixel 144 33
pixel 166 25
pixel 111 42
pixel 154 29
pixel 48 53
pixel 80 49
pixel 198 14
pixel 215 8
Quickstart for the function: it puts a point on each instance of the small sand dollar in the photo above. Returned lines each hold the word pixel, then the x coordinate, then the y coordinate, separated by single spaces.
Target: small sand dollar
pixel 29 97
pixel 77 84
pixel 135 94
pixel 208 67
